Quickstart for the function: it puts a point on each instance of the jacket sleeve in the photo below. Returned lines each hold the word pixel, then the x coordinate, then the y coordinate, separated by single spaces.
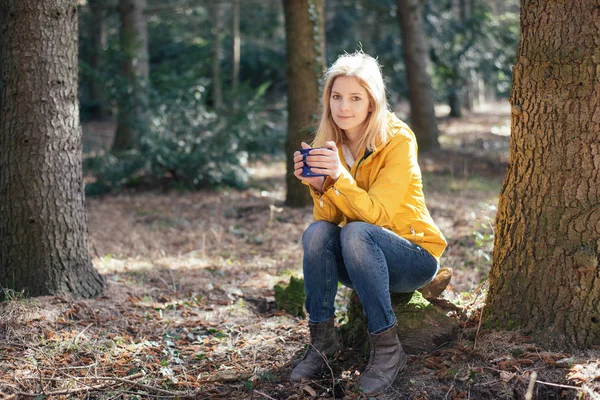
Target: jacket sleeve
pixel 378 205
pixel 324 209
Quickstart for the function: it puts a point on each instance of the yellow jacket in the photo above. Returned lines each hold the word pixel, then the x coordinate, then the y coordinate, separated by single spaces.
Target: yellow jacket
pixel 383 188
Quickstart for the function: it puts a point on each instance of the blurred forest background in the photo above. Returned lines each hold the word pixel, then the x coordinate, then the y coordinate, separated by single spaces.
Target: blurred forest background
pixel 207 79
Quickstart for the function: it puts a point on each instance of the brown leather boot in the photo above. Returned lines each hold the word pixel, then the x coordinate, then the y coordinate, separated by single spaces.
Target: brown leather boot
pixel 385 361
pixel 324 343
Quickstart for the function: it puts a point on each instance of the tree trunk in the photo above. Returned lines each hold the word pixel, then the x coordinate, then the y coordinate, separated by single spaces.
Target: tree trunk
pixel 98 43
pixel 305 62
pixel 545 276
pixel 468 81
pixel 454 103
pixel 134 70
pixel 235 70
pixel 43 223
pixel 1 48
pixel 217 93
pixel 421 326
pixel 420 91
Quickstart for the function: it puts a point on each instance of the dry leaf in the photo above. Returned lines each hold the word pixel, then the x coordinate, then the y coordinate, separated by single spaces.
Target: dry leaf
pixel 309 390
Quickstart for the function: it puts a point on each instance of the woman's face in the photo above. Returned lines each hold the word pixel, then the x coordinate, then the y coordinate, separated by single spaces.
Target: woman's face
pixel 349 105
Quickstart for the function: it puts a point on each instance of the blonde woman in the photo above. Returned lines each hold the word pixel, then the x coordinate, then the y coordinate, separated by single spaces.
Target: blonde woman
pixel 372 232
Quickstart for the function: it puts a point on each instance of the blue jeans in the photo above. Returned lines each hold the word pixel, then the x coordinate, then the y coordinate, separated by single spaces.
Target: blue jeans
pixel 372 260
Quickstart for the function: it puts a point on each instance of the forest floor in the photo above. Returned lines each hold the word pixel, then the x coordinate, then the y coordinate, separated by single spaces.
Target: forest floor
pixel 188 309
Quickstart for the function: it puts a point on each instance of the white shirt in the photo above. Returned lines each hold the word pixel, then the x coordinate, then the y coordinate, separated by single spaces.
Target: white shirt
pixel 348 156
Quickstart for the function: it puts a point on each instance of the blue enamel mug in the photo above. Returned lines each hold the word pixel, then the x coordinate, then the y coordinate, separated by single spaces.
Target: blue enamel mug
pixel 306 172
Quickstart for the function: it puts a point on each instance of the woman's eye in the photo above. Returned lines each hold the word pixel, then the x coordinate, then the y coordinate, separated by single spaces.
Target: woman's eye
pixel 335 97
pixel 356 98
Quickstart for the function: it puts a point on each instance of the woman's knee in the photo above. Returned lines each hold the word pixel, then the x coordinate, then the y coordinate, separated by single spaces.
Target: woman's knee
pixel 357 242
pixel 356 234
pixel 319 236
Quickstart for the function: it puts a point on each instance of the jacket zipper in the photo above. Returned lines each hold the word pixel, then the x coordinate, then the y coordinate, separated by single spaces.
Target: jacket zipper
pixel 358 165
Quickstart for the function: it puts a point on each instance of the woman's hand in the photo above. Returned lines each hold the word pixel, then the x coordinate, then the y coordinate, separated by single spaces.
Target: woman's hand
pixel 314 181
pixel 326 161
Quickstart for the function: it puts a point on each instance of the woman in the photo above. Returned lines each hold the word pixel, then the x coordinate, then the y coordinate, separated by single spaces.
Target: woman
pixel 373 231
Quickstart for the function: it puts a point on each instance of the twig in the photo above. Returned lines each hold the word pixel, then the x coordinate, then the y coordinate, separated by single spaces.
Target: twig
pixel 80 366
pixel 61 392
pixel 81 333
pixel 478 328
pixel 108 378
pixel 263 394
pixel 559 385
pixel 532 378
pixel 141 385
pixel 238 378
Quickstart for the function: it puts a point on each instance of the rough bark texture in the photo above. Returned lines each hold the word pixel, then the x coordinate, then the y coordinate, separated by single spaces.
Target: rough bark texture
pixel 421 326
pixel 43 223
pixel 420 91
pixel 98 42
pixel 1 47
pixel 305 44
pixel 134 68
pixel 546 275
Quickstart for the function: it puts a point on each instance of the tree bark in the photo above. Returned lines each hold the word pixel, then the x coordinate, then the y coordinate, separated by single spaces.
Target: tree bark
pixel 420 90
pixel 454 103
pixel 235 70
pixel 217 91
pixel 43 222
pixel 98 43
pixel 1 68
pixel 545 276
pixel 305 62
pixel 134 70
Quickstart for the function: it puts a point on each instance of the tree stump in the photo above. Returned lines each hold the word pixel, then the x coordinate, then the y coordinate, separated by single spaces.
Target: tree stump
pixel 421 326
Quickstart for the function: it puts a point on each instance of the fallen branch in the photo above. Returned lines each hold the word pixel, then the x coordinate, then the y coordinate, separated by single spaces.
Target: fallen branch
pixel 233 377
pixel 106 378
pixel 559 385
pixel 63 392
pixel 264 395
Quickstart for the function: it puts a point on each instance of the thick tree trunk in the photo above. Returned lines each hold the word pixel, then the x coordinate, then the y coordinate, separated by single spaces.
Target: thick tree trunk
pixel 134 69
pixel 305 43
pixel 420 91
pixel 235 70
pixel 43 223
pixel 1 48
pixel 98 43
pixel 546 274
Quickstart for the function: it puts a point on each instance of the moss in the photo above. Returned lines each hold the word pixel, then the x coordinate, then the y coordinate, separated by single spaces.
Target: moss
pixel 291 297
pixel 420 323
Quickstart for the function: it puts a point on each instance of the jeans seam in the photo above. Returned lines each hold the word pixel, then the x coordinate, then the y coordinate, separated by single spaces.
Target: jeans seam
pixel 385 271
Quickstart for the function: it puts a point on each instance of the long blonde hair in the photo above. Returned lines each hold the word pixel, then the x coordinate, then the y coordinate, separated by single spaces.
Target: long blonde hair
pixel 368 72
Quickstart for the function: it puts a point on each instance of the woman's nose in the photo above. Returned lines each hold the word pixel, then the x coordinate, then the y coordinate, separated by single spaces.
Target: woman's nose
pixel 343 105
